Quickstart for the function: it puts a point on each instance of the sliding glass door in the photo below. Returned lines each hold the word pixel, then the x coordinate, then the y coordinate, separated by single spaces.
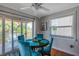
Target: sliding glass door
pixel 10 29
pixel 8 34
pixel 16 30
pixel 0 35
pixel 24 28
pixel 29 30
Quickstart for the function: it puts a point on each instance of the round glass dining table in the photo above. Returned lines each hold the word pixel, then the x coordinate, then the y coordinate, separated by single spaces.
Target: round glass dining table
pixel 37 43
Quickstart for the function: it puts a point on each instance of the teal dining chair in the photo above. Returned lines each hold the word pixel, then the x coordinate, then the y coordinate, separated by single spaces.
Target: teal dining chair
pixel 25 49
pixel 46 50
pixel 21 37
pixel 39 36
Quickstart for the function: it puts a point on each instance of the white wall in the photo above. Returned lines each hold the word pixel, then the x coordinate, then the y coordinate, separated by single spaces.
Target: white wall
pixel 60 43
pixel 38 22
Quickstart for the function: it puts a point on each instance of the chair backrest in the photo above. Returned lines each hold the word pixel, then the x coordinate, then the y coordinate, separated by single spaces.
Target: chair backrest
pixel 21 37
pixel 24 48
pixel 50 44
pixel 39 36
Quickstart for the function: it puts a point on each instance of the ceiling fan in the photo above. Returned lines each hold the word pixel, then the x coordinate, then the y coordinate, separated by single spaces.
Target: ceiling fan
pixel 36 6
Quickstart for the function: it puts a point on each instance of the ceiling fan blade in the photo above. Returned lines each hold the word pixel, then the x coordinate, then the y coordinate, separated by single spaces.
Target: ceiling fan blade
pixel 34 10
pixel 25 8
pixel 44 8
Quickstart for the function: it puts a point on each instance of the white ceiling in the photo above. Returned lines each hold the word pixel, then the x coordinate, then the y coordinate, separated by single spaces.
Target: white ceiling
pixel 54 7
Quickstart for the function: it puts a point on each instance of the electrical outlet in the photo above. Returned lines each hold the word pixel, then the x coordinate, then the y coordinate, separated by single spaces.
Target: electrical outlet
pixel 71 46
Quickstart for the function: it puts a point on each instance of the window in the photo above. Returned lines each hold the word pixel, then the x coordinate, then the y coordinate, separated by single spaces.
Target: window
pixel 62 26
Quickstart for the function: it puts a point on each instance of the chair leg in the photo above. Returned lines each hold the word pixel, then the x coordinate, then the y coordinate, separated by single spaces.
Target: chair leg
pixel 19 54
pixel 49 54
